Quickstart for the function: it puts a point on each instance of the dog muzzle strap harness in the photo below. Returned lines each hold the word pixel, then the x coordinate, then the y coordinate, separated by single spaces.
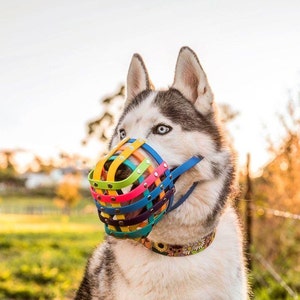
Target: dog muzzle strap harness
pixel 133 188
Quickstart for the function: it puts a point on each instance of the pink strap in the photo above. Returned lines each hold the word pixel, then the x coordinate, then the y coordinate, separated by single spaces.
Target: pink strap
pixel 134 193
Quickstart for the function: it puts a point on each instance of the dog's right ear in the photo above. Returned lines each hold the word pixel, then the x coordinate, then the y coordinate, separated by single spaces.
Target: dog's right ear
pixel 137 78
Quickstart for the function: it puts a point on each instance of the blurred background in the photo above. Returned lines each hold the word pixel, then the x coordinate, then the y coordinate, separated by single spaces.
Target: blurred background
pixel 63 66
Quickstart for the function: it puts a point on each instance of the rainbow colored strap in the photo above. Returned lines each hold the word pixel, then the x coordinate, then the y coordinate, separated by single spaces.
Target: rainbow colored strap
pixel 135 192
pixel 166 182
pixel 106 191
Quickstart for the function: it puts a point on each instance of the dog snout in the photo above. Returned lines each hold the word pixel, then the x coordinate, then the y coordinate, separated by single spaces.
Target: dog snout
pixel 122 172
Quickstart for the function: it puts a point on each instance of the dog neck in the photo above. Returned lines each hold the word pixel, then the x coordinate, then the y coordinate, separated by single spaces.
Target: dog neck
pixel 175 250
pixel 199 215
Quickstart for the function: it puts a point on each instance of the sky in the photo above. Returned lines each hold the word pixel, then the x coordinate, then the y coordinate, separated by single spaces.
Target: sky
pixel 59 58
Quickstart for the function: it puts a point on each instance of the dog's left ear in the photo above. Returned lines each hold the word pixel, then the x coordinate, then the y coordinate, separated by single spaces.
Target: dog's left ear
pixel 137 79
pixel 191 81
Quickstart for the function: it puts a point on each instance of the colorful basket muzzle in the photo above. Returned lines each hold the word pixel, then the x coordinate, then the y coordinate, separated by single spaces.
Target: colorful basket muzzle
pixel 133 188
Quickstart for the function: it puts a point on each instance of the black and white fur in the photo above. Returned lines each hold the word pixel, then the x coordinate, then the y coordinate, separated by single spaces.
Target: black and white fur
pixel 179 123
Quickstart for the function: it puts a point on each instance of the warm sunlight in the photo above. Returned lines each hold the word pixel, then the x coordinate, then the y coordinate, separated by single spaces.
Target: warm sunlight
pixel 64 68
pixel 251 65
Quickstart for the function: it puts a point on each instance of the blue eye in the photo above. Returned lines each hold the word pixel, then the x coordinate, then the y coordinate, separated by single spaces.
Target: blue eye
pixel 161 129
pixel 122 134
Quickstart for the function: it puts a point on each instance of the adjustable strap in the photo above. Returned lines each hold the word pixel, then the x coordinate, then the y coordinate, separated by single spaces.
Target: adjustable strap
pixel 186 166
pixel 176 173
pixel 183 198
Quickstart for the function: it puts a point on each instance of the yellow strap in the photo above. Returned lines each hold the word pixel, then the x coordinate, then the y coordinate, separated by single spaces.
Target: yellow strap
pixel 112 171
pixel 99 166
pixel 122 157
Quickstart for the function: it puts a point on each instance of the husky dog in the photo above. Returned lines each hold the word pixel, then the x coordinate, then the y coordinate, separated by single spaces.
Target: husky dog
pixel 179 122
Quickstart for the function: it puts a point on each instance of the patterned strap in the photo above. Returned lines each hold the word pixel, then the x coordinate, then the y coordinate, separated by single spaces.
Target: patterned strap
pixel 179 250
pixel 135 192
pixel 139 218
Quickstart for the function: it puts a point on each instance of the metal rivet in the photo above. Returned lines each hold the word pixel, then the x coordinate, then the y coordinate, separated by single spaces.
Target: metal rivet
pixel 113 198
pixel 139 171
pixel 95 184
pixel 117 210
pixel 165 165
pixel 121 223
pixel 145 184
pixel 99 197
pixel 149 197
pixel 155 174
pixel 101 209
pixel 148 161
pixel 152 209
pixel 170 176
pixel 106 220
pixel 109 185
pixel 161 186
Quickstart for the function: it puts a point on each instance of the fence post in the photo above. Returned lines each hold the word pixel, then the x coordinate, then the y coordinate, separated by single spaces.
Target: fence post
pixel 248 212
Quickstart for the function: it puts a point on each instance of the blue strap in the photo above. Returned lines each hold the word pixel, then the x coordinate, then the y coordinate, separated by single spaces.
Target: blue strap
pixel 177 172
pixel 183 198
pixel 186 166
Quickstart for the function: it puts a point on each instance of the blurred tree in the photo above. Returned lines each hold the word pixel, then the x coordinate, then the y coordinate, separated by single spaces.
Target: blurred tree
pixel 101 127
pixel 6 161
pixel 72 160
pixel 281 177
pixel 67 193
pixel 276 238
pixel 38 164
pixel 8 173
pixel 227 113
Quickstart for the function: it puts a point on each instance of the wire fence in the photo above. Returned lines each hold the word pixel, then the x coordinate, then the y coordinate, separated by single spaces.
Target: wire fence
pixel 45 210
pixel 260 210
pixel 257 256
pixel 275 274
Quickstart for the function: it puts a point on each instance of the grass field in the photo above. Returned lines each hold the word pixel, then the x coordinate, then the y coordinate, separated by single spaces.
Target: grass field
pixel 43 257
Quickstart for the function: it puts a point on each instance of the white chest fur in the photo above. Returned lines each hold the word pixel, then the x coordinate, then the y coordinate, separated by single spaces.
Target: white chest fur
pixel 215 273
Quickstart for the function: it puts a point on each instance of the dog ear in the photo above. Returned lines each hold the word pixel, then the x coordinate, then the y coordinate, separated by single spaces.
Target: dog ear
pixel 191 81
pixel 137 78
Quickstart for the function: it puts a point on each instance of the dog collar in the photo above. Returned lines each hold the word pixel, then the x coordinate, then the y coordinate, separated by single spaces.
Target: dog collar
pixel 179 250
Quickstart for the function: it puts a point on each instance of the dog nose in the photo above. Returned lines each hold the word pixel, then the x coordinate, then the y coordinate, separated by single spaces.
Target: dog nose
pixel 122 172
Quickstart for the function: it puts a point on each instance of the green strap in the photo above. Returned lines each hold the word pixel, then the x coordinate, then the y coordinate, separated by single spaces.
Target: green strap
pixel 117 185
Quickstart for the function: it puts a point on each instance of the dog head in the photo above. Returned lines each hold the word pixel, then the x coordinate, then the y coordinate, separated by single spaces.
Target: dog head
pixel 180 123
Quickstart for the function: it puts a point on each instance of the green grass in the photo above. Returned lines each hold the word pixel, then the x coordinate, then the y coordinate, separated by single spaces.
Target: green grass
pixel 43 257
pixel 38 204
pixel 265 287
